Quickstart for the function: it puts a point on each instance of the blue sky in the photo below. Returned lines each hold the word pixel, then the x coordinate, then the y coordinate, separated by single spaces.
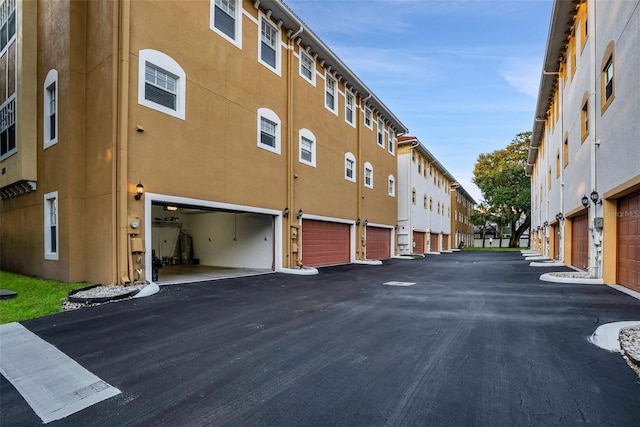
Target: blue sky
pixel 463 76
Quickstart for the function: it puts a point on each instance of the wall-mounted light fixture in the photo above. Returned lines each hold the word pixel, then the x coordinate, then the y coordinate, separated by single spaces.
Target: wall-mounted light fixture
pixel 300 213
pixel 546 223
pixel 139 190
pixel 171 208
pixel 585 201
pixel 358 221
pixel 559 216
pixel 595 198
pixel 285 212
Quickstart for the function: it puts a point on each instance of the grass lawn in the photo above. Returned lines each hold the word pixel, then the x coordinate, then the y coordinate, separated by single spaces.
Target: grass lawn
pixel 36 297
pixel 491 249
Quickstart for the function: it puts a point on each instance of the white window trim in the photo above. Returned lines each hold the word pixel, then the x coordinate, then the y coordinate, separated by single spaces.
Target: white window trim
pixel 350 156
pixel 237 42
pixel 269 115
pixel 391 186
pixel 306 133
pixel 47 227
pixel 364 118
pixel 313 68
pixel 278 67
pixel 11 99
pixel 51 79
pixel 348 93
pixel 168 64
pixel 368 167
pixel 391 142
pixel 380 134
pixel 328 77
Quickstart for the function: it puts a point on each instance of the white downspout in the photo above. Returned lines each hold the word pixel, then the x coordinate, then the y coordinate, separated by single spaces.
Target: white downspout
pixel 595 245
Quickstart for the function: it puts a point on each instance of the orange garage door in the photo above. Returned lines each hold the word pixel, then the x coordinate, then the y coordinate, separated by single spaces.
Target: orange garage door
pixel 434 244
pixel 325 243
pixel 629 242
pixel 580 241
pixel 378 243
pixel 418 242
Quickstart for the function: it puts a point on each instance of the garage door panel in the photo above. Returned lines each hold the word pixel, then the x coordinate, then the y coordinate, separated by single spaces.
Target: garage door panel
pixel 434 243
pixel 419 238
pixel 628 262
pixel 580 242
pixel 325 243
pixel 378 243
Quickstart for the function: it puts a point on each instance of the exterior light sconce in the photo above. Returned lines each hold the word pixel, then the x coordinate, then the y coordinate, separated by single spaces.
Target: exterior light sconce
pixel 358 221
pixel 595 198
pixel 285 212
pixel 585 201
pixel 300 213
pixel 366 222
pixel 139 190
pixel 559 216
pixel 546 223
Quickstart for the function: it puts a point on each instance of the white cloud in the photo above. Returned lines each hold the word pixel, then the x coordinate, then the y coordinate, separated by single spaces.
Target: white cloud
pixel 523 74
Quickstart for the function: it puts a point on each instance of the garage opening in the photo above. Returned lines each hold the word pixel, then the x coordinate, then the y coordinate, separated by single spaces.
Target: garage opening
pixel 378 243
pixel 191 243
pixel 419 238
pixel 628 262
pixel 434 242
pixel 325 243
pixel 580 241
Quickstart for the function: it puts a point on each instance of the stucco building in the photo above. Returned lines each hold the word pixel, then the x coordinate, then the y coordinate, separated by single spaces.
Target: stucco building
pixel 462 205
pixel 213 133
pixel 584 158
pixel 426 210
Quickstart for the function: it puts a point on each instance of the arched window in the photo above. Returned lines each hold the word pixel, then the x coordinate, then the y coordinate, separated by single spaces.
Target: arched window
pixel 368 175
pixel 350 167
pixel 269 130
pixel 51 109
pixel 307 148
pixel 161 83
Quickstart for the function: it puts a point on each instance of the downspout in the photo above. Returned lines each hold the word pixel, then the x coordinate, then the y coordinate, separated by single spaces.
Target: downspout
pixel 359 248
pixel 121 132
pixel 289 262
pixel 596 235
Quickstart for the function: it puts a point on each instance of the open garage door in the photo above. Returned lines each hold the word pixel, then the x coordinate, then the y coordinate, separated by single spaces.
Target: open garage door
pixel 419 238
pixel 378 243
pixel 434 244
pixel 628 263
pixel 325 243
pixel 580 241
pixel 193 243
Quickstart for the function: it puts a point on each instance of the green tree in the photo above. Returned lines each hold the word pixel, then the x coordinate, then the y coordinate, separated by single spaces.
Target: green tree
pixel 506 189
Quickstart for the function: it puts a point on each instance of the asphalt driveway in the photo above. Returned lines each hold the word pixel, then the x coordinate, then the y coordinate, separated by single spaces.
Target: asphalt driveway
pixel 478 340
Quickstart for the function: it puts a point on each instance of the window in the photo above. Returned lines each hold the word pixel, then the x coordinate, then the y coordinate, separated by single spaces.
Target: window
pixel 368 175
pixel 584 117
pixel 330 90
pixel 430 203
pixel 608 84
pixel 549 179
pixel 420 166
pixel 349 101
pixel 380 133
pixel 558 164
pixel 51 226
pixel 413 196
pixel 391 190
pixel 269 41
pixel 368 118
pixel 307 67
pixel 425 202
pixel 161 83
pixel 51 109
pixel 413 156
pixel 350 167
pixel 7 22
pixel 307 148
pixel 565 151
pixel 268 130
pixel 438 208
pixel 226 20
pixel 572 53
pixel 8 128
pixel 390 141
pixel 584 28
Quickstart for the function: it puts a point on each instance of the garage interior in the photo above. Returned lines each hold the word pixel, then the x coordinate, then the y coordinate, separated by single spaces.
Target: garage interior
pixel 191 243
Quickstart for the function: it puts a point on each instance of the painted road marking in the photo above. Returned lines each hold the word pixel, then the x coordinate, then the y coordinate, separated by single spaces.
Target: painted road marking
pixel 53 384
pixel 393 283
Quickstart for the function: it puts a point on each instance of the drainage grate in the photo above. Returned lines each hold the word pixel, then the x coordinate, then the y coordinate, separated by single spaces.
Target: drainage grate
pixel 399 283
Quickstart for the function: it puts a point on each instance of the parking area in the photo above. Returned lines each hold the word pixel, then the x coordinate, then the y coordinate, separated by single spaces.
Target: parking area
pixel 477 340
